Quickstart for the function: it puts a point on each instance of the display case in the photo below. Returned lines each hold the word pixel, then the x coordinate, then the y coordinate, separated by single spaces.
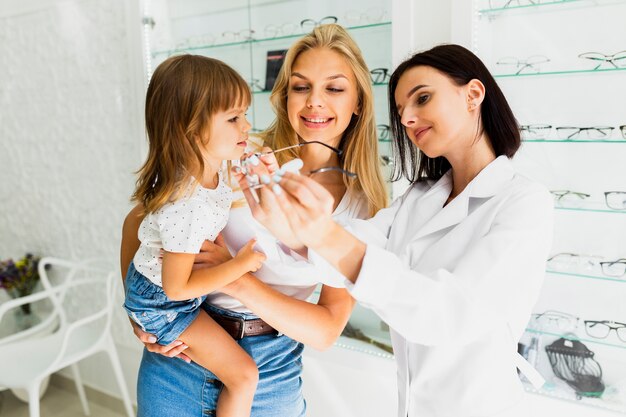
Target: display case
pixel 562 66
pixel 250 35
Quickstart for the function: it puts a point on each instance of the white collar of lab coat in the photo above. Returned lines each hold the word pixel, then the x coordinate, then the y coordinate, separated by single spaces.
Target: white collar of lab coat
pixel 487 183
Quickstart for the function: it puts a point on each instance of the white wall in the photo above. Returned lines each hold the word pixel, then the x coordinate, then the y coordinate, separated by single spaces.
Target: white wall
pixel 70 137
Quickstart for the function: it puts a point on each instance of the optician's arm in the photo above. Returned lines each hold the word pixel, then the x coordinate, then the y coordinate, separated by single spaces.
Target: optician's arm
pixel 499 277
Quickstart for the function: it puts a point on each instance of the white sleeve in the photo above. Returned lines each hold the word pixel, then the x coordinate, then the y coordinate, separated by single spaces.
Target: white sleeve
pixel 374 231
pixel 184 225
pixel 499 278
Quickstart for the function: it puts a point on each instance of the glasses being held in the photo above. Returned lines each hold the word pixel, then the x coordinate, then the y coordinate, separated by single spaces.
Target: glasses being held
pixel 255 181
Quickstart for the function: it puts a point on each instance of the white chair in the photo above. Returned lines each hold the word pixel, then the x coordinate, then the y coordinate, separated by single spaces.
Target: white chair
pixel 26 361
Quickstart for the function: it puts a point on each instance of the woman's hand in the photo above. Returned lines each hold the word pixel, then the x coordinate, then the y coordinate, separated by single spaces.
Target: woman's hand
pixel 212 254
pixel 308 207
pixel 262 202
pixel 173 350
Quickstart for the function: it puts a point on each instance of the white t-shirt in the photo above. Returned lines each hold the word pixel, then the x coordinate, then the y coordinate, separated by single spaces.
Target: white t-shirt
pixel 182 226
pixel 295 279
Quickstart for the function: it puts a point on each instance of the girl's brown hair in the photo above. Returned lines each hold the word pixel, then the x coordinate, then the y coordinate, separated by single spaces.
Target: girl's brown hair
pixel 359 142
pixel 184 93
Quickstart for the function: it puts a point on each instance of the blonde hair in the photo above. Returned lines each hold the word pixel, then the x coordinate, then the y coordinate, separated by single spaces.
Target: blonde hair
pixel 184 93
pixel 359 142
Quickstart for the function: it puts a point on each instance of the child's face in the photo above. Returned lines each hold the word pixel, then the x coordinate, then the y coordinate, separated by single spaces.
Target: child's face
pixel 322 96
pixel 229 135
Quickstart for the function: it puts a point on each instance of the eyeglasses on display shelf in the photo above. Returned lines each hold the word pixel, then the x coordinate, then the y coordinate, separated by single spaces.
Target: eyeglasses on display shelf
pixel 383 132
pixel 584 133
pixel 574 262
pixel 242 35
pixel 595 265
pixel 567 198
pixel 614 200
pixel 255 85
pixel 601 329
pixel 530 64
pixel 535 131
pixel 369 16
pixel 617 60
pixel 286 29
pixel 623 130
pixel 554 321
pixel 380 75
pixel 615 269
pixel 308 25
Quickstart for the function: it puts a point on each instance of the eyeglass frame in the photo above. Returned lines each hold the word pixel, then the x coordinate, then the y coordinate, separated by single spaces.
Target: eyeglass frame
pixel 384 72
pixel 605 58
pixel 523 64
pixel 339 152
pixel 558 314
pixel 383 131
pixel 611 263
pixel 320 22
pixel 579 130
pixel 606 199
pixel 622 128
pixel 237 35
pixel 531 127
pixel 607 323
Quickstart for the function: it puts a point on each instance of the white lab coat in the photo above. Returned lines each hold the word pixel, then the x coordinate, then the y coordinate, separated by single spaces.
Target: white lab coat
pixel 457 285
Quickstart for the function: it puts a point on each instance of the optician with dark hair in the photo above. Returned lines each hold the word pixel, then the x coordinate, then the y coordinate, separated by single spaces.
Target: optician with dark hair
pixel 456 264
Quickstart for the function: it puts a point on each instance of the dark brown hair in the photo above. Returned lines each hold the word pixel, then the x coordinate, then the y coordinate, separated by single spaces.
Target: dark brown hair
pixel 497 121
pixel 184 93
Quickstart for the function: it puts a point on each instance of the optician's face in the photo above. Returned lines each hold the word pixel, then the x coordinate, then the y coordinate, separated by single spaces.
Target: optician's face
pixel 434 111
pixel 322 96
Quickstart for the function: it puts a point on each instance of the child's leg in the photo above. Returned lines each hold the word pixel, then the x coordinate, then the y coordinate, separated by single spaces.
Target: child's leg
pixel 214 349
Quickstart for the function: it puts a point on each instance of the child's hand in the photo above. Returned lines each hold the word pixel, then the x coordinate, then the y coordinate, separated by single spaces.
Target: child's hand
pixel 251 259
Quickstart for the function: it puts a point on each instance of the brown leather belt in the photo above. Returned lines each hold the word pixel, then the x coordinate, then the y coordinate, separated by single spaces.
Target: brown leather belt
pixel 239 328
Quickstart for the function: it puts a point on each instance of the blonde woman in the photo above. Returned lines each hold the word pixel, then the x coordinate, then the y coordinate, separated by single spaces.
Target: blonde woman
pixel 322 95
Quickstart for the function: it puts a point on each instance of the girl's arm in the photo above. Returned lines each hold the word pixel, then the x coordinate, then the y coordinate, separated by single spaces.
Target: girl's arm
pixel 181 283
pixel 316 325
pixel 130 239
pixel 130 244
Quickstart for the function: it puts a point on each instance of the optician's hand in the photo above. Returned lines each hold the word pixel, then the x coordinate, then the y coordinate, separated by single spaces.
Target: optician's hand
pixel 173 350
pixel 308 207
pixel 263 203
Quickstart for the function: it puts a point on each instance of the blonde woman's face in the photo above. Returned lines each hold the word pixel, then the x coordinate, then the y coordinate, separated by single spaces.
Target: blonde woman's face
pixel 322 96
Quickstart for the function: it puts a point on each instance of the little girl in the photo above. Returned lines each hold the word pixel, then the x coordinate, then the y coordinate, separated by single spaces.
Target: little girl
pixel 195 119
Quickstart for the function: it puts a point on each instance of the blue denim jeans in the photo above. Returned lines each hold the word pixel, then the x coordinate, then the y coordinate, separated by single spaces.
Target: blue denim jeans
pixel 170 387
pixel 149 307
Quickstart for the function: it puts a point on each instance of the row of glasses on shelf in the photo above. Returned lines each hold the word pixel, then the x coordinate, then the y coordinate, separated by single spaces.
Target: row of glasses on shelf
pixel 532 64
pixel 615 200
pixel 574 133
pixel 272 31
pixel 563 323
pixel 586 264
pixel 504 4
